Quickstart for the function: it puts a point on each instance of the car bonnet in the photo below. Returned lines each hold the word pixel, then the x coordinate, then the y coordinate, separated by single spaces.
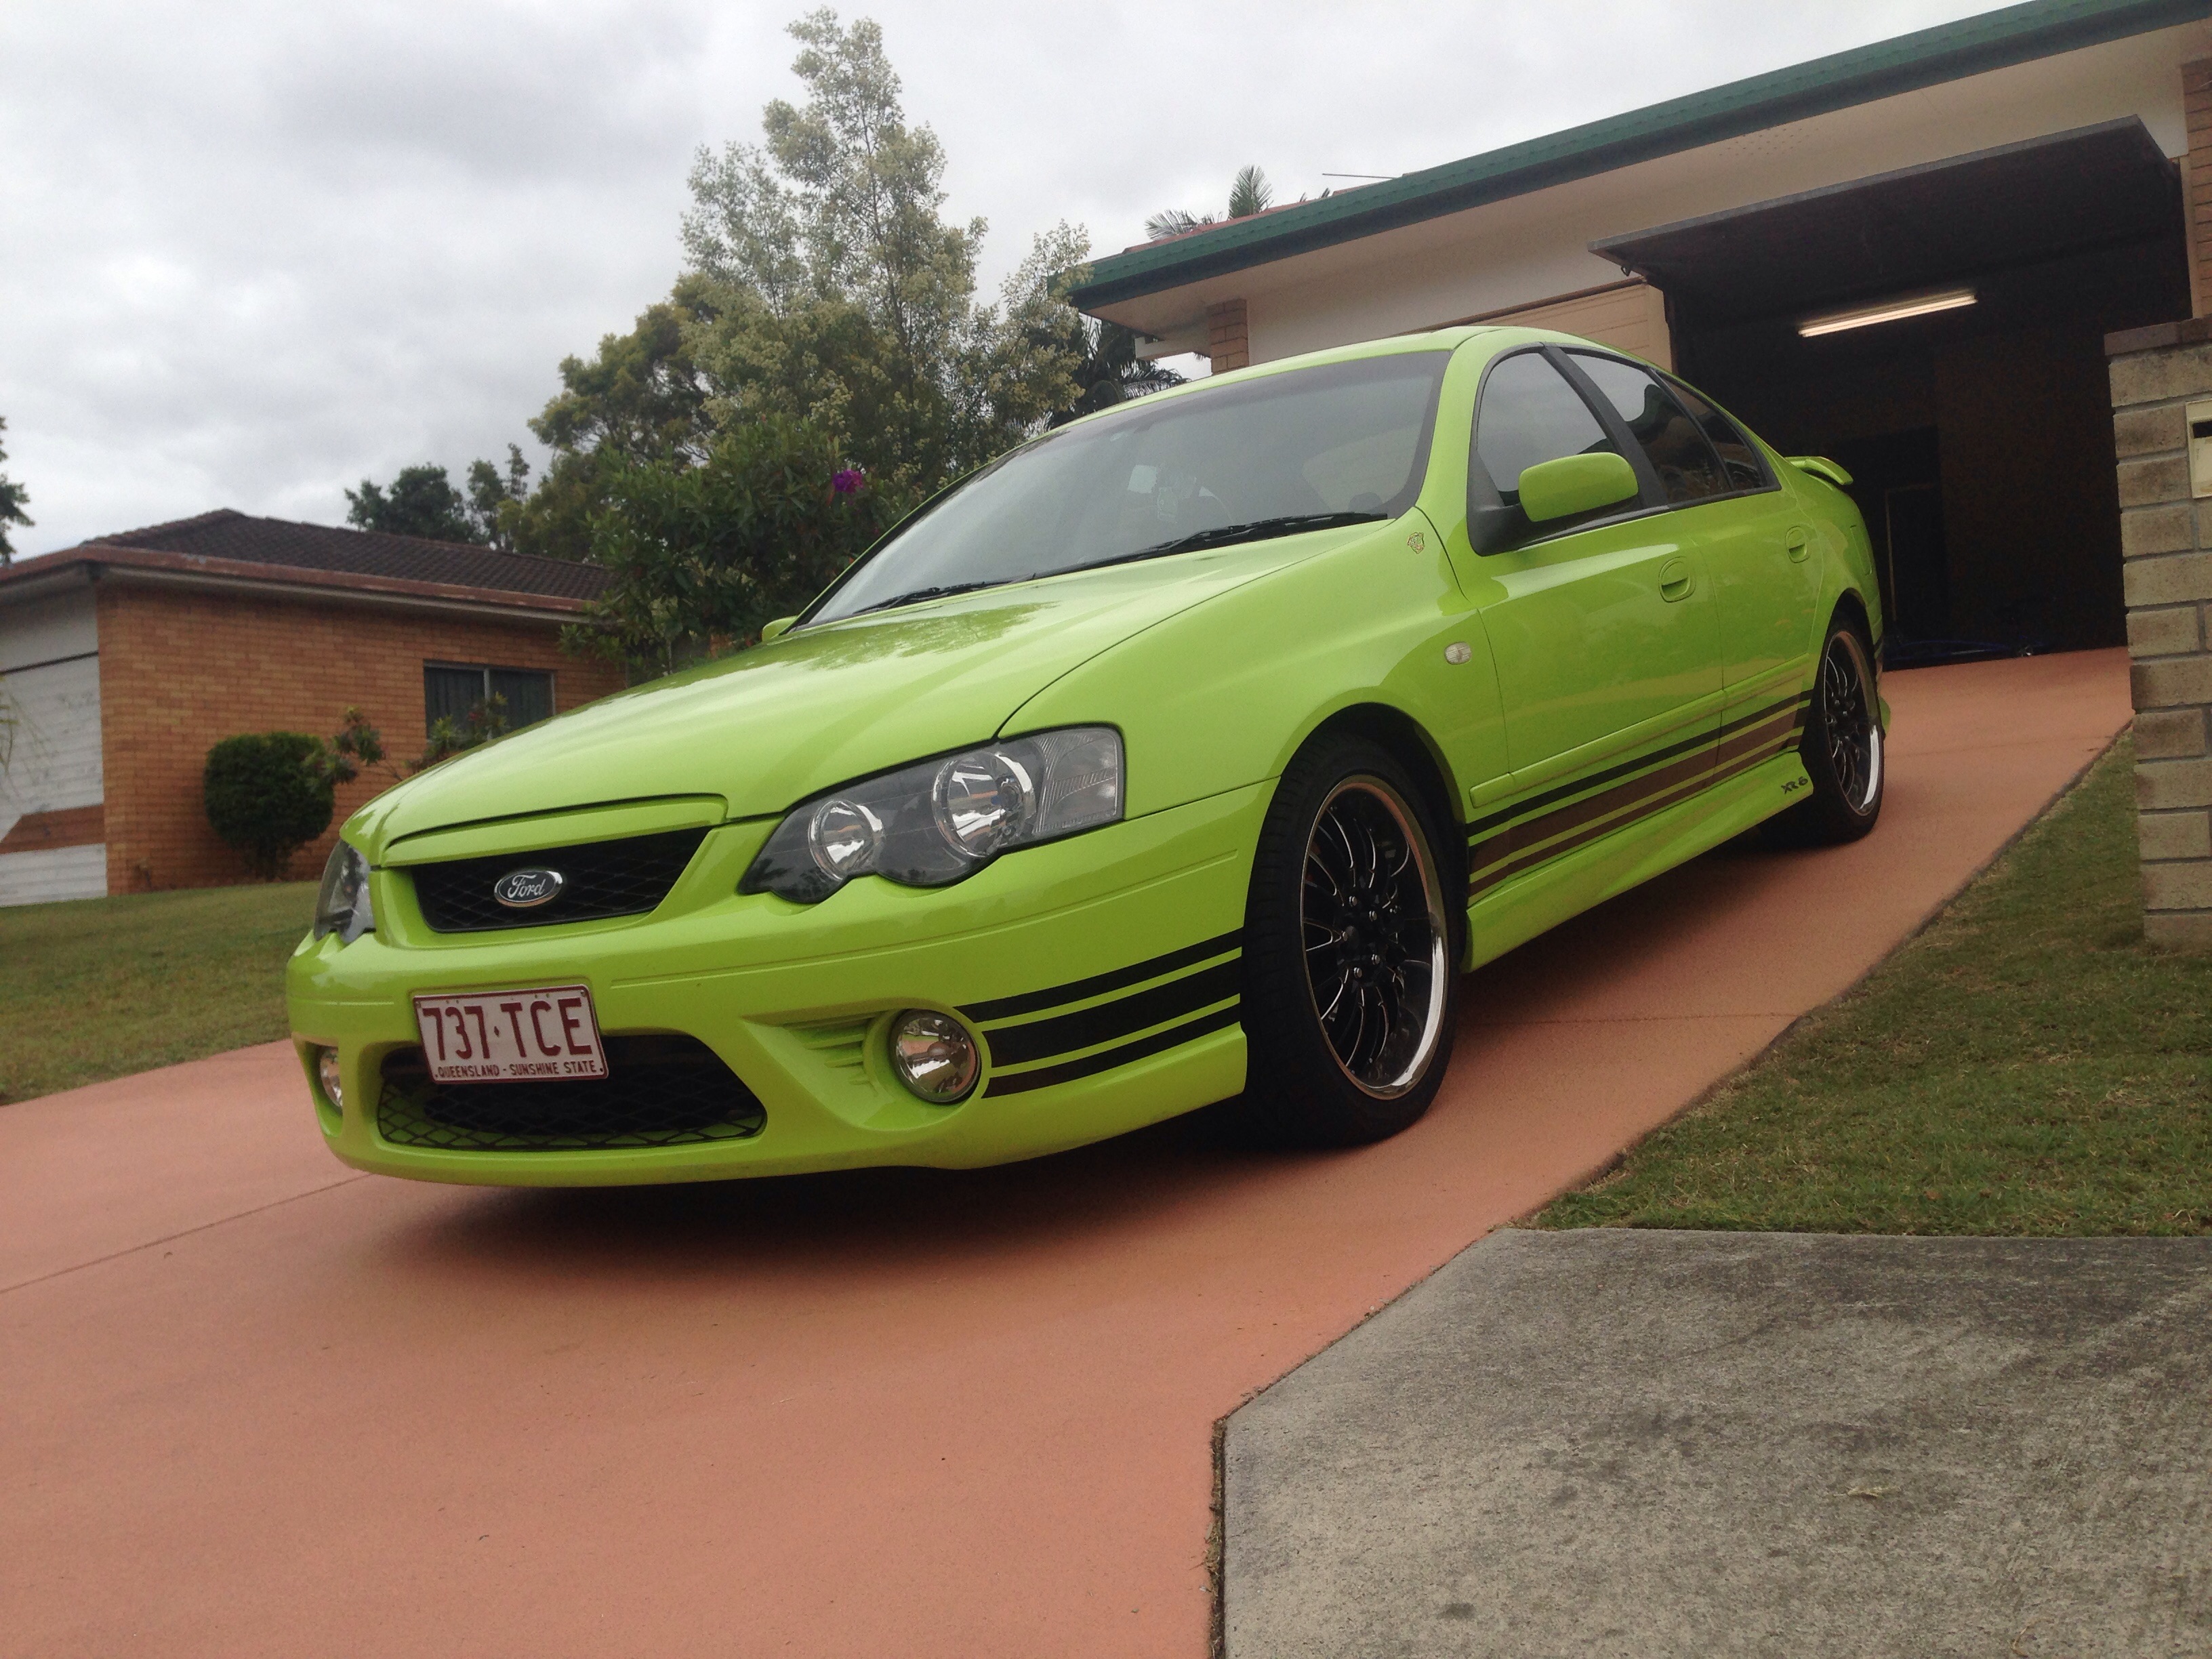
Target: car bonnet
pixel 766 728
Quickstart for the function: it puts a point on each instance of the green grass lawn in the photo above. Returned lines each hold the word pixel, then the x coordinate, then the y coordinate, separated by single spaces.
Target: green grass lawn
pixel 101 988
pixel 2027 1064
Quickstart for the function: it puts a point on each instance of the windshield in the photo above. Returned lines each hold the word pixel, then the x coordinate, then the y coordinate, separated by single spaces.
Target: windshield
pixel 1340 443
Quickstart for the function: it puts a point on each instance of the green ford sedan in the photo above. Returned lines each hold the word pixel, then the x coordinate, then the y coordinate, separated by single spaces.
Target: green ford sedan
pixel 1188 753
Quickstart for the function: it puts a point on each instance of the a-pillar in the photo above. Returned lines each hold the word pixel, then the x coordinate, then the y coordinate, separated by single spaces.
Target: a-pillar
pixel 2166 545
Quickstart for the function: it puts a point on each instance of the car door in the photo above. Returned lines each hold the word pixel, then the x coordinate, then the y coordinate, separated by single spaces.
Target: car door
pixel 1753 544
pixel 1601 631
pixel 1766 577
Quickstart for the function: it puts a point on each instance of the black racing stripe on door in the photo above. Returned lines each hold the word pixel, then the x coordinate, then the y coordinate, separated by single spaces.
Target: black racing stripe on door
pixel 1567 791
pixel 1603 805
pixel 1769 750
pixel 1483 826
pixel 1622 796
pixel 1014 1045
pixel 1091 1065
pixel 1029 1002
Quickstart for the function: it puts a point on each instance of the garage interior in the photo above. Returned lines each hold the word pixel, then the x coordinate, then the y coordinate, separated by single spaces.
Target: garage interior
pixel 1979 429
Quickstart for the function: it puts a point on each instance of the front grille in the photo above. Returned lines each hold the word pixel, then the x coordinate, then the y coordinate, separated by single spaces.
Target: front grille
pixel 598 878
pixel 659 1091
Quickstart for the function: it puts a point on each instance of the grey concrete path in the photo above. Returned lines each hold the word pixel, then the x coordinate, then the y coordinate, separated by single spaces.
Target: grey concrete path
pixel 1658 1445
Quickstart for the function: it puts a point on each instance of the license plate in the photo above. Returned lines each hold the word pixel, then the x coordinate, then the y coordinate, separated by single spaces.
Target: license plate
pixel 502 1036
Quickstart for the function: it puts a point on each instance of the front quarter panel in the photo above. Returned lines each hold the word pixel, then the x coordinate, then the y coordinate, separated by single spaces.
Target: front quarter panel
pixel 1222 696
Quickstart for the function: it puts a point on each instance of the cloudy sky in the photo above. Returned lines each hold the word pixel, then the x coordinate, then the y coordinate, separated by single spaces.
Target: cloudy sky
pixel 251 252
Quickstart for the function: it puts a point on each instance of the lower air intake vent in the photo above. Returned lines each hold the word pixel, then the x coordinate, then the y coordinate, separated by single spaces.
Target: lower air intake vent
pixel 598 878
pixel 658 1092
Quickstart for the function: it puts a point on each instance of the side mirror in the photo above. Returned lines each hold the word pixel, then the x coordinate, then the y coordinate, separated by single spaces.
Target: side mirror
pixel 1575 483
pixel 777 629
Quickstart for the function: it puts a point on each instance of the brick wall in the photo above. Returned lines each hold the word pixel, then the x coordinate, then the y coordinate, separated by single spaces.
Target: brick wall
pixel 180 670
pixel 2166 538
pixel 2196 178
pixel 1228 338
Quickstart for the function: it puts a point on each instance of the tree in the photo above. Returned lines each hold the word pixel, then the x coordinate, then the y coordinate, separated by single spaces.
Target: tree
pixel 640 398
pixel 420 501
pixel 1250 193
pixel 704 554
pixel 839 294
pixel 12 497
pixel 496 499
pixel 1105 368
pixel 643 394
pixel 826 307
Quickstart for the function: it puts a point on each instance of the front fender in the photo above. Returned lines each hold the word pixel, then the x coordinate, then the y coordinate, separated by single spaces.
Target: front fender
pixel 1222 696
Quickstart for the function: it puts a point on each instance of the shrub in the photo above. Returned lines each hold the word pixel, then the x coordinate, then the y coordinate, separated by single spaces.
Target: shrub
pixel 268 795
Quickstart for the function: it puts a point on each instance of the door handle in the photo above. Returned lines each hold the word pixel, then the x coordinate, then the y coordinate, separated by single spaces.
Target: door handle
pixel 1674 579
pixel 1799 542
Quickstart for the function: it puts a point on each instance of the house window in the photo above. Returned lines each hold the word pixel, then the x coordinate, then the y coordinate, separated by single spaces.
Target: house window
pixel 449 690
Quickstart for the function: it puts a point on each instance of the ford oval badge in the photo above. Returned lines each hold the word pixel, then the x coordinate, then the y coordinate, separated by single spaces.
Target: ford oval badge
pixel 525 889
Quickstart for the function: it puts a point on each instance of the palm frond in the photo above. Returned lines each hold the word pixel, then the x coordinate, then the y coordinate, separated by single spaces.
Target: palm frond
pixel 1174 222
pixel 1251 193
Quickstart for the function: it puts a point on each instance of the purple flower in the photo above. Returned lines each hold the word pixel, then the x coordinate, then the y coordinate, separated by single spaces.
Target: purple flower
pixel 849 481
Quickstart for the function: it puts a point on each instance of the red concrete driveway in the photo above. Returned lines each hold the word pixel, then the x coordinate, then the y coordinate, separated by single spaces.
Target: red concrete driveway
pixel 254 1404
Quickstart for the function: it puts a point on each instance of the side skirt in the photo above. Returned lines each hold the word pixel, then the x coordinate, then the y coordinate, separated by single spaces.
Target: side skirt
pixel 1516 911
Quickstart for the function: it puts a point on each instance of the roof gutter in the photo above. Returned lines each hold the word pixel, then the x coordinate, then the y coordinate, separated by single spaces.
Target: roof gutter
pixel 1910 63
pixel 95 562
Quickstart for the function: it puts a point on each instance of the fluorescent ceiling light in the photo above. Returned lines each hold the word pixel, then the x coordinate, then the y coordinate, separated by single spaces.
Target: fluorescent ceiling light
pixel 1890 310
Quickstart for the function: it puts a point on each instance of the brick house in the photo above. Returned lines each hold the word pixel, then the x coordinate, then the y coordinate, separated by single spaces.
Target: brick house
pixel 123 660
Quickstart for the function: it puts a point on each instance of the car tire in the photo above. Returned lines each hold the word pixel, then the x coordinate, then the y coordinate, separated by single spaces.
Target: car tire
pixel 1351 952
pixel 1843 748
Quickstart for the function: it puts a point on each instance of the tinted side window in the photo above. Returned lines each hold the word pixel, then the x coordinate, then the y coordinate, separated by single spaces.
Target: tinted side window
pixel 1739 455
pixel 1685 462
pixel 1530 413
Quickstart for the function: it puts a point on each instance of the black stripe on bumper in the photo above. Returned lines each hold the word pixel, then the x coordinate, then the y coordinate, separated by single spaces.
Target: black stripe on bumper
pixel 1091 1065
pixel 1029 1002
pixel 1016 1045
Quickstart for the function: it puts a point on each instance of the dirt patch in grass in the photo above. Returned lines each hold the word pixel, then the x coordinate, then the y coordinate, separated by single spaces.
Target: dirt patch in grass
pixel 101 987
pixel 2025 1065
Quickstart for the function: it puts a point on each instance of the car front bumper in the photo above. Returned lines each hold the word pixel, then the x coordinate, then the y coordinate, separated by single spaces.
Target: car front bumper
pixel 1100 973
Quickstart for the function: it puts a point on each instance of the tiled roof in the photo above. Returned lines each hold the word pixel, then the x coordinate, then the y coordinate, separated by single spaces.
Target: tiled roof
pixel 239 539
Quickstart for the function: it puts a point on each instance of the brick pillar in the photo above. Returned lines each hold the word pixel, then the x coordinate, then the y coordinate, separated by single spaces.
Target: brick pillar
pixel 1228 342
pixel 2196 179
pixel 2165 533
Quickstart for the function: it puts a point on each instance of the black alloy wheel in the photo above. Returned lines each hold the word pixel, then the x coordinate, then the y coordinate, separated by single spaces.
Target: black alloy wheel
pixel 1843 748
pixel 1352 952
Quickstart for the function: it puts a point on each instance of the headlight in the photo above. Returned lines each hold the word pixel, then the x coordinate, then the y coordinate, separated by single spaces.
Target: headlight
pixel 341 906
pixel 929 825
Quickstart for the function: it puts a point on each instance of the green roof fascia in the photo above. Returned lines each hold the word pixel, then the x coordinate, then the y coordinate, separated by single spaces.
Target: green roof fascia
pixel 1927 57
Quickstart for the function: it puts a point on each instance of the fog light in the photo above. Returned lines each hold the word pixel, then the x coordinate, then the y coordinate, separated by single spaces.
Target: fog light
pixel 933 1056
pixel 327 1074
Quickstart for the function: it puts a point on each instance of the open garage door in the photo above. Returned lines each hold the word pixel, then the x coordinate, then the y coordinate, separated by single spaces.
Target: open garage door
pixel 1940 331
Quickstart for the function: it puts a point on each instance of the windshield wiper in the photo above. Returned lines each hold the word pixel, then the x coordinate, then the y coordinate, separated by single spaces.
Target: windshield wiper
pixel 916 596
pixel 1228 535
